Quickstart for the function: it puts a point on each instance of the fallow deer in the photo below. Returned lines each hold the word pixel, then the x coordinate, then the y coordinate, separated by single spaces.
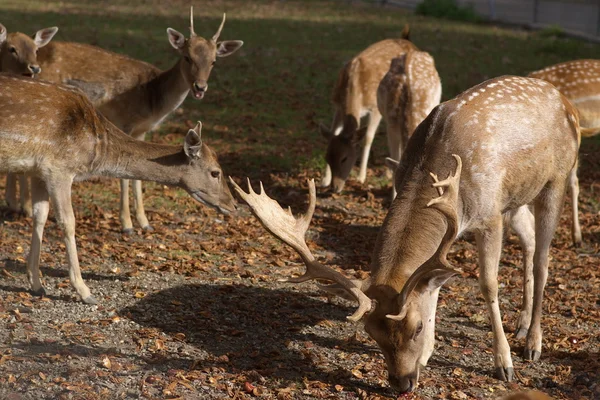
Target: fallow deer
pixel 405 96
pixel 54 134
pixel 578 81
pixel 132 94
pixel 505 144
pixel 354 97
pixel 18 55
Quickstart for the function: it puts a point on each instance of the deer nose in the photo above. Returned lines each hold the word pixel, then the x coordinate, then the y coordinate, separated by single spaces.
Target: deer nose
pixel 404 385
pixel 35 69
pixel 200 87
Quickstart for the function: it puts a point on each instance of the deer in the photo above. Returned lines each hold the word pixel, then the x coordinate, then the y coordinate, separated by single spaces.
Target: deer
pixel 68 140
pixel 501 146
pixel 578 81
pixel 134 95
pixel 405 96
pixel 354 97
pixel 18 55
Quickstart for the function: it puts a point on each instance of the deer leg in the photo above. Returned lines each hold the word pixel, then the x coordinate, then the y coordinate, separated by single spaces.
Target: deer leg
pixel 547 213
pixel 25 195
pixel 523 223
pixel 374 120
pixel 574 189
pixel 125 216
pixel 140 213
pixel 395 146
pixel 60 193
pixel 489 245
pixel 41 206
pixel 11 192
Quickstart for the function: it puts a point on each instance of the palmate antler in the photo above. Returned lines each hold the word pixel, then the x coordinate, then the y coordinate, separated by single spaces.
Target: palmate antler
pixel 437 266
pixel 291 231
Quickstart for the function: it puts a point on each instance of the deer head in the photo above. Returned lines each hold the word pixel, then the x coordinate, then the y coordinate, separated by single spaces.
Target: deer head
pixel 205 182
pixel 18 52
pixel 198 55
pixel 343 150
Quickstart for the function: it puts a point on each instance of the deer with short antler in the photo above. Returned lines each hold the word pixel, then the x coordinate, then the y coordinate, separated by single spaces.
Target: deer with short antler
pixel 132 94
pixel 502 145
pixel 68 140
pixel 355 96
pixel 578 81
pixel 405 96
pixel 18 55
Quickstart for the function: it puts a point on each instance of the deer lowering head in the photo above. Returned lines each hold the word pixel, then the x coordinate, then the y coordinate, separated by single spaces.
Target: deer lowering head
pixel 18 52
pixel 199 55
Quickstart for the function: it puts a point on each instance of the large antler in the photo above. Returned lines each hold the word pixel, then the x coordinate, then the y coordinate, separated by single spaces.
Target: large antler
pixel 437 265
pixel 192 33
pixel 291 231
pixel 216 35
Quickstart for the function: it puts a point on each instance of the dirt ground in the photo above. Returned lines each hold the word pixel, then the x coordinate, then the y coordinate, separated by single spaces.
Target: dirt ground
pixel 194 310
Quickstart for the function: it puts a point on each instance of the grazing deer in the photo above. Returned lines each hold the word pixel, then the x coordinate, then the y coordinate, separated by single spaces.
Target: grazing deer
pixel 504 144
pixel 134 95
pixel 18 55
pixel 355 96
pixel 53 134
pixel 578 81
pixel 405 96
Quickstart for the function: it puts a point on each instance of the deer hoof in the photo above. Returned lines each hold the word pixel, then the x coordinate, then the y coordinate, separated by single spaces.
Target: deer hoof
pixel 128 231
pixel 505 374
pixel 148 228
pixel 532 355
pixel 40 292
pixel 521 333
pixel 90 300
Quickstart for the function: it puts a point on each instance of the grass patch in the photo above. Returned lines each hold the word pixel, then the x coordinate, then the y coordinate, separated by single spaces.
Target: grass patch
pixel 448 9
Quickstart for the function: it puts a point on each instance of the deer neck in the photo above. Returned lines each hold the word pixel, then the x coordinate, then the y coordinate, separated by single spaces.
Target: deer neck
pixel 120 156
pixel 168 90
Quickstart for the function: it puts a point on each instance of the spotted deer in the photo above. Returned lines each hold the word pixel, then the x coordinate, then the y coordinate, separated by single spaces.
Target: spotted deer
pixel 18 55
pixel 405 96
pixel 134 95
pixel 475 160
pixel 578 81
pixel 354 97
pixel 68 140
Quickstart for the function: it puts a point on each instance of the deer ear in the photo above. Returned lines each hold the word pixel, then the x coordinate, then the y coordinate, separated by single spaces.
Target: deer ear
pixel 360 135
pixel 391 163
pixel 228 47
pixel 193 142
pixel 405 32
pixel 2 33
pixel 325 132
pixel 176 39
pixel 43 36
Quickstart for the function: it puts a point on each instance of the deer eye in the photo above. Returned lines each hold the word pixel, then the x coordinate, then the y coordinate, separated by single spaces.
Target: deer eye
pixel 213 63
pixel 419 329
pixel 186 58
pixel 13 50
pixel 344 159
pixel 215 174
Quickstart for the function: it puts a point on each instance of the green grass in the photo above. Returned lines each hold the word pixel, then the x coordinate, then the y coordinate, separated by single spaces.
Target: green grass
pixel 265 103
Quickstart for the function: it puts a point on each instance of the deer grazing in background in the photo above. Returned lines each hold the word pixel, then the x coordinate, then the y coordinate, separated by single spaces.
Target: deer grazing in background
pixel 500 146
pixel 578 81
pixel 18 55
pixel 134 95
pixel 69 140
pixel 405 96
pixel 355 96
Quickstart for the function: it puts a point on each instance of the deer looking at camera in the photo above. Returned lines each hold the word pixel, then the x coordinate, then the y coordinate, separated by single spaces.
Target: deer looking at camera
pixel 18 55
pixel 134 95
pixel 355 96
pixel 578 81
pixel 405 96
pixel 483 156
pixel 69 140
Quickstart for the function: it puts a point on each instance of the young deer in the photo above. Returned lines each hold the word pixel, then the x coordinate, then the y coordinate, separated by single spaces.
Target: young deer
pixel 578 81
pixel 405 96
pixel 69 140
pixel 355 96
pixel 18 55
pixel 504 144
pixel 134 95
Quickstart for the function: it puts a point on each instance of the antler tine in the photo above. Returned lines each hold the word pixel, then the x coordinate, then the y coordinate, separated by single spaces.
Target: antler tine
pixel 446 203
pixel 291 231
pixel 216 35
pixel 192 33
